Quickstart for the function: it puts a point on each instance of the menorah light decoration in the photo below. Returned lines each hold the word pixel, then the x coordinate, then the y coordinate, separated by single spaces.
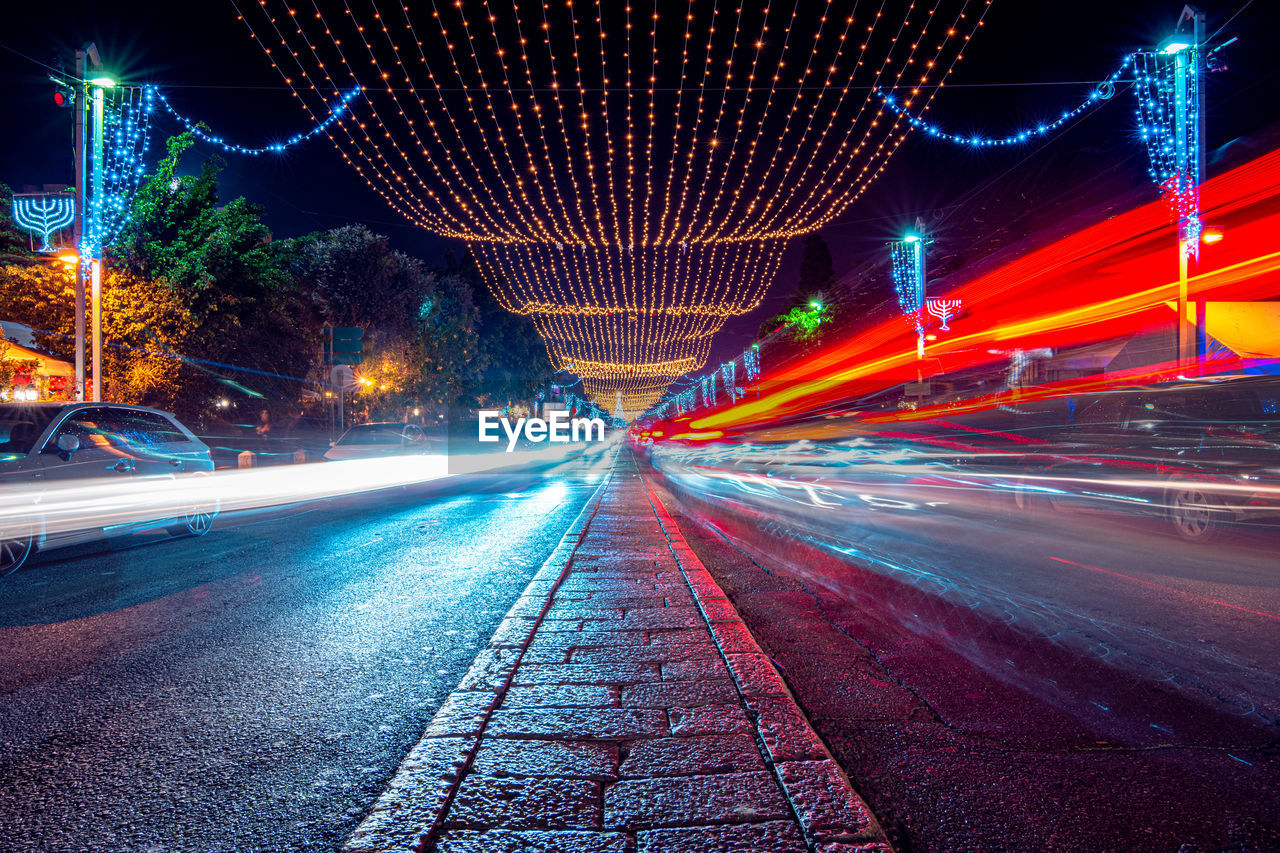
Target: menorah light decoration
pixel 627 175
pixel 44 214
pixel 945 310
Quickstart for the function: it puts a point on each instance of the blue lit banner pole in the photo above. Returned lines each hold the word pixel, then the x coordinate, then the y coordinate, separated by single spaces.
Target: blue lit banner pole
pixel 908 258
pixel 1169 86
pixel 93 259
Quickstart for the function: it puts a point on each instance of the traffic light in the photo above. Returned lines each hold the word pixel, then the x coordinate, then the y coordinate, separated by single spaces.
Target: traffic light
pixel 64 95
pixel 343 345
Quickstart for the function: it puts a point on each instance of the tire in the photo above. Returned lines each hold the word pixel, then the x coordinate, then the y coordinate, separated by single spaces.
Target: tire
pixel 14 552
pixel 1192 514
pixel 197 520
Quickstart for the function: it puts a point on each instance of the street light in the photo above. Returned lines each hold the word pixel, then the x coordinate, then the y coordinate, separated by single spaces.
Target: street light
pixel 1176 43
pixel 102 82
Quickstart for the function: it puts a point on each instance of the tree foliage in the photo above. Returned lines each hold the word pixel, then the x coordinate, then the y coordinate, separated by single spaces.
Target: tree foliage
pixel 199 303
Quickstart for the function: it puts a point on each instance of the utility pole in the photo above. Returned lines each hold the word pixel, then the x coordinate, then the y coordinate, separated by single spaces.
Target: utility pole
pixel 80 106
pixel 96 262
pixel 1189 102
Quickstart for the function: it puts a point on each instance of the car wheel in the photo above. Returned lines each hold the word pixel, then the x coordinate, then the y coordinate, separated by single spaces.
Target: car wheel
pixel 1192 513
pixel 198 519
pixel 14 552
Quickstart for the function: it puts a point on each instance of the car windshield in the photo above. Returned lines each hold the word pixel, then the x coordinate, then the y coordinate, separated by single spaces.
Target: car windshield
pixel 20 426
pixel 383 434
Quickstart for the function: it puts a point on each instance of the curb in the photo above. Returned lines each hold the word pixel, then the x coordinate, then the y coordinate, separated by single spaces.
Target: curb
pixel 831 814
pixel 407 814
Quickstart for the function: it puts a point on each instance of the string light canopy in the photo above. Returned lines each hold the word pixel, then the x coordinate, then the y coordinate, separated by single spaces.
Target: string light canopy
pixel 626 173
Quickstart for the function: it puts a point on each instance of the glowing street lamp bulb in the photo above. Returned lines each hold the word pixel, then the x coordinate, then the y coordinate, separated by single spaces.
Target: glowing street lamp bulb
pixel 911 238
pixel 1176 44
pixel 69 258
pixel 1211 235
pixel 815 305
pixel 102 82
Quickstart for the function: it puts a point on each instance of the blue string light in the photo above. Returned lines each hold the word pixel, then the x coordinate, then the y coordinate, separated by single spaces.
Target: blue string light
pixel 1173 152
pixel 341 108
pixel 126 137
pixel 907 258
pixel 1103 92
pixel 751 363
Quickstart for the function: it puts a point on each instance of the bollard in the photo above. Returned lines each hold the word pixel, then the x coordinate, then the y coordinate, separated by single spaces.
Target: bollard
pixel 299 456
pixel 247 459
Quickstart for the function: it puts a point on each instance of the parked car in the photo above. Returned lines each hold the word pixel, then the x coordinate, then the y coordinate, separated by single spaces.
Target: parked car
pixel 43 445
pixel 371 441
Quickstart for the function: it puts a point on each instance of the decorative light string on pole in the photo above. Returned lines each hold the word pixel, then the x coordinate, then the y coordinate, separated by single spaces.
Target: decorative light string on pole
pixel 1101 94
pixel 337 111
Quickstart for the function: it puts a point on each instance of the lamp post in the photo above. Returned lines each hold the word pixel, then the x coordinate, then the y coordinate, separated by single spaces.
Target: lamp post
pixel 1189 159
pixel 99 84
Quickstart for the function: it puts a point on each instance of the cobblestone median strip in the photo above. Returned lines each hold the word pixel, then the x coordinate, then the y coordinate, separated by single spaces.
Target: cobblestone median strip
pixel 833 818
pixel 621 707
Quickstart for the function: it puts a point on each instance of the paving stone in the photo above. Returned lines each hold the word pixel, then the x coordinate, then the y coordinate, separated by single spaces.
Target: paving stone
pixel 720 610
pixel 611 673
pixel 756 676
pixel 579 723
pixel 528 605
pixel 628 600
pixel 561 696
pixel 722 798
pixel 785 731
pixel 848 847
pixel 569 625
pixel 734 638
pixel 546 655
pixel 506 841
pixel 484 801
pixel 565 759
pixel 462 714
pixel 489 670
pixel 584 639
pixel 686 670
pixel 666 617
pixel 681 694
pixel 677 636
pixel 692 756
pixel 772 837
pixel 578 610
pixel 416 794
pixel 709 720
pixel 827 806
pixel 512 633
pixel 646 654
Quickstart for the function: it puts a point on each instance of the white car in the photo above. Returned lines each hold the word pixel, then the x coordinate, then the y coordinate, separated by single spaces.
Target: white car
pixel 47 445
pixel 372 441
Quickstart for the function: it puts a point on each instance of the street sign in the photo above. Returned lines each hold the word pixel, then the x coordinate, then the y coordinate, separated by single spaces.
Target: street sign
pixel 343 378
pixel 343 345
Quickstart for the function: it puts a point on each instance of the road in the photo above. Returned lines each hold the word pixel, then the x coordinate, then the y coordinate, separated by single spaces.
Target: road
pixel 256 688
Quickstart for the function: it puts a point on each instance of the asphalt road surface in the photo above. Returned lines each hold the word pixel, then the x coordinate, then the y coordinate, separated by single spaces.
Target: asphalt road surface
pixel 254 689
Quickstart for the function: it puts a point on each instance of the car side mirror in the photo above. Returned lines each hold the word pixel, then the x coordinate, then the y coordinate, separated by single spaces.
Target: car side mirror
pixel 333 444
pixel 68 443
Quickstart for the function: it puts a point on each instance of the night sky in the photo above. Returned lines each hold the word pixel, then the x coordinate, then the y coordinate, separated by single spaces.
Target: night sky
pixel 1031 60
